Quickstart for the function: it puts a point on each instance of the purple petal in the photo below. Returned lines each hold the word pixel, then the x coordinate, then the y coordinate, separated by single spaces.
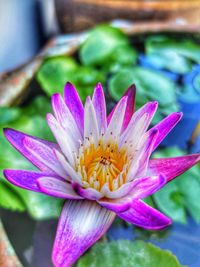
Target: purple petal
pixel 146 151
pixel 114 128
pixel 90 122
pixel 139 122
pixel 65 118
pixel 81 224
pixel 140 163
pixel 149 108
pixel 142 188
pixel 172 167
pixel 130 93
pixel 99 103
pixel 117 205
pixel 165 126
pixel 145 216
pixel 147 186
pixel 16 138
pixel 72 174
pixel 87 193
pixel 43 153
pixel 65 144
pixel 25 179
pixel 120 192
pixel 74 104
pixel 57 188
pixel 125 189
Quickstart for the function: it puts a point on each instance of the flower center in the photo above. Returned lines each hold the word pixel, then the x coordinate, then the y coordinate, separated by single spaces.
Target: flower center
pixel 103 164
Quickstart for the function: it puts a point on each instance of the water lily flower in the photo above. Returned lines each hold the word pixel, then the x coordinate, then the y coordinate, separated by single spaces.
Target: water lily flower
pixel 100 164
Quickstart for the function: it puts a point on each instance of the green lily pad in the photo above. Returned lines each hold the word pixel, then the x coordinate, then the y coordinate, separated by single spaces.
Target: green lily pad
pixel 170 201
pixel 38 205
pixel 163 50
pixel 150 84
pixel 180 195
pixel 55 72
pixel 8 115
pixel 164 59
pixel 101 44
pixel 9 199
pixel 125 253
pixel 122 56
pixel 191 180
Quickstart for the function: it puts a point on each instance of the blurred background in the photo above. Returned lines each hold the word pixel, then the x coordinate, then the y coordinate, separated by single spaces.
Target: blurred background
pixel 152 43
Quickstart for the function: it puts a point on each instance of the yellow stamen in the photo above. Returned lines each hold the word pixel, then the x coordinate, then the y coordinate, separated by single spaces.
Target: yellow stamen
pixel 103 164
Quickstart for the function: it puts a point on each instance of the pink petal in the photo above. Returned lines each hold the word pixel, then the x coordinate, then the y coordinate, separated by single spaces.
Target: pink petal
pixel 117 205
pixel 44 154
pixel 145 216
pixel 65 144
pixel 25 179
pixel 172 167
pixel 81 224
pixel 66 119
pixel 87 193
pixel 99 103
pixel 16 138
pixel 147 112
pixel 140 162
pixel 73 175
pixel 74 104
pixel 142 188
pixel 120 192
pixel 114 128
pixel 130 93
pixel 57 188
pixel 126 188
pixel 91 129
pixel 146 153
pixel 147 186
pixel 165 126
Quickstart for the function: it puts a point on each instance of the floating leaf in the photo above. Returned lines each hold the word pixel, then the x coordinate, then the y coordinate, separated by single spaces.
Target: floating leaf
pixel 163 45
pixel 170 200
pixel 8 115
pixel 124 253
pixel 101 44
pixel 150 84
pixel 191 89
pixel 122 56
pixel 9 199
pixel 189 185
pixel 164 59
pixel 55 72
